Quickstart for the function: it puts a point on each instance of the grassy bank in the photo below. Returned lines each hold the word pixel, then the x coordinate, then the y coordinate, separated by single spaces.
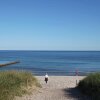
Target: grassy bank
pixel 16 83
pixel 91 86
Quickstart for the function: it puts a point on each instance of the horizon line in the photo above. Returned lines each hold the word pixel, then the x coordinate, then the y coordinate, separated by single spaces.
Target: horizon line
pixel 47 50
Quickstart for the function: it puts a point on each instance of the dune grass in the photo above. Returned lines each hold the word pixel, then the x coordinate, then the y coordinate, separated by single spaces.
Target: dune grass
pixel 91 86
pixel 16 83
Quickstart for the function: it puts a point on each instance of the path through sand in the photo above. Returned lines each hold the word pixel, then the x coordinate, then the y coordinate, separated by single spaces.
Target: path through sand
pixel 57 88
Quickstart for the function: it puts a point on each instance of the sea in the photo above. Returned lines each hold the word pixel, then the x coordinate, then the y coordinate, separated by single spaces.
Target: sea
pixel 52 62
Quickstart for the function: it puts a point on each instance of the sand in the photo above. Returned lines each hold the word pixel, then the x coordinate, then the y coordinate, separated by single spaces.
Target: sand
pixel 57 88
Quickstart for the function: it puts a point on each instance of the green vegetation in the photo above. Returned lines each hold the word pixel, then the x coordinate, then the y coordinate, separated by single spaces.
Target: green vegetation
pixel 16 83
pixel 91 86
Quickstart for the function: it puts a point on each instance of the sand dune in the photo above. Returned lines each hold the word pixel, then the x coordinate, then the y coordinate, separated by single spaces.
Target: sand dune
pixel 57 88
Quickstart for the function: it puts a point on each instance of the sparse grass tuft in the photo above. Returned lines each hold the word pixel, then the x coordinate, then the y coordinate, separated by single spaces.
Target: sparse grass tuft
pixel 16 83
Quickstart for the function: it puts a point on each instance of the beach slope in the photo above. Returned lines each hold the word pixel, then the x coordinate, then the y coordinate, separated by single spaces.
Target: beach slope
pixel 57 88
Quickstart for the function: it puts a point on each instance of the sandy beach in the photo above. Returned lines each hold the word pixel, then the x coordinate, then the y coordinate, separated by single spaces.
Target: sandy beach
pixel 57 88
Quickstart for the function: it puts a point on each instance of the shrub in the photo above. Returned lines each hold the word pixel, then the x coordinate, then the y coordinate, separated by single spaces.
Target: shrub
pixel 91 86
pixel 15 83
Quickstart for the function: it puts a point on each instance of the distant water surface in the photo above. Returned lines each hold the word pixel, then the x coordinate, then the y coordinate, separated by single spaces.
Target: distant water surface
pixel 52 62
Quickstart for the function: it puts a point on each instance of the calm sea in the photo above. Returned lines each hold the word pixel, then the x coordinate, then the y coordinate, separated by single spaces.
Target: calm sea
pixel 52 62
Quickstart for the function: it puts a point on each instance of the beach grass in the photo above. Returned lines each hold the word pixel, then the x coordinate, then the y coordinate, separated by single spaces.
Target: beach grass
pixel 91 86
pixel 16 83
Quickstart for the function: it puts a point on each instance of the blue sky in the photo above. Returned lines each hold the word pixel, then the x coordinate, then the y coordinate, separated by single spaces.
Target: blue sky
pixel 50 25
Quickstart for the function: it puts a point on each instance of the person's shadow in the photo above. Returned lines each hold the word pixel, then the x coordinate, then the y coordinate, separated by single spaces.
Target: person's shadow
pixel 75 93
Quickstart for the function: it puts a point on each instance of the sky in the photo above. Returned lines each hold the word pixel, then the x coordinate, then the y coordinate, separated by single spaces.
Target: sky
pixel 50 25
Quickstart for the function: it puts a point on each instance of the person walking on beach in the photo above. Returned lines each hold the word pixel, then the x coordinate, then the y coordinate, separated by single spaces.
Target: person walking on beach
pixel 76 73
pixel 76 77
pixel 46 78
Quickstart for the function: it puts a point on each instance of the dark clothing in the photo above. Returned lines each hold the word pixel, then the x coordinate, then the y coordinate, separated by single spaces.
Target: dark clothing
pixel 46 79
